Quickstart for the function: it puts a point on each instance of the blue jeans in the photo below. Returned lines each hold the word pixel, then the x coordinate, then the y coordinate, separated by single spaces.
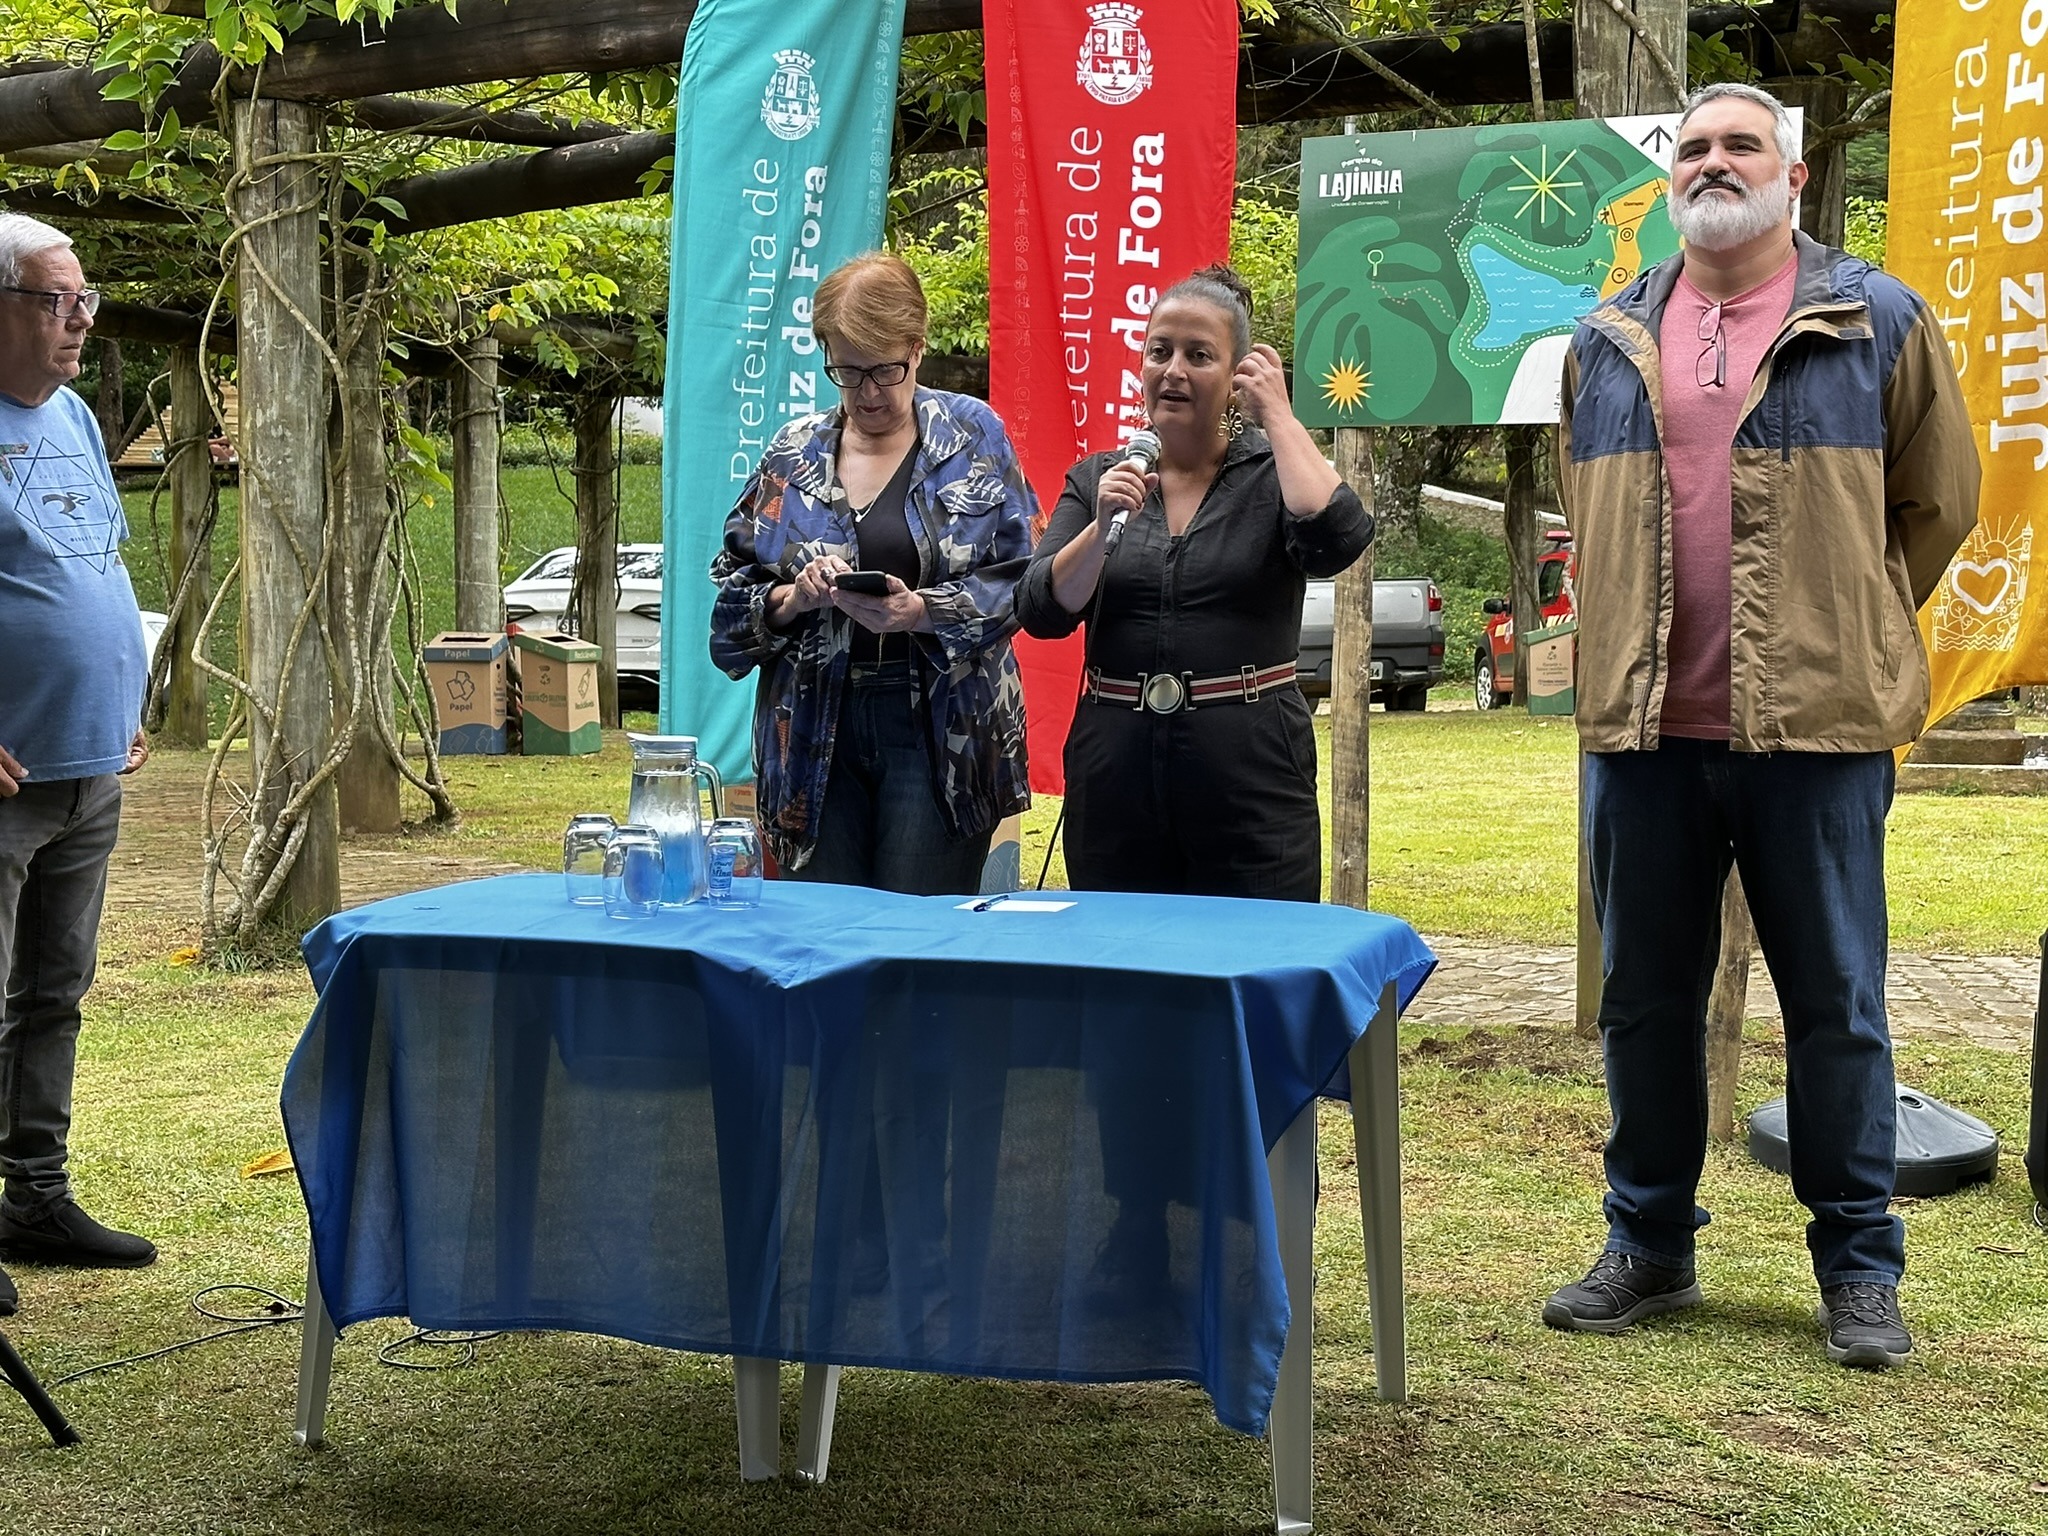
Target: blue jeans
pixel 55 839
pixel 882 825
pixel 1806 830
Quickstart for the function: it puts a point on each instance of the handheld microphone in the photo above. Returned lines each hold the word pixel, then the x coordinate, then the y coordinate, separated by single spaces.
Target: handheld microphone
pixel 1142 454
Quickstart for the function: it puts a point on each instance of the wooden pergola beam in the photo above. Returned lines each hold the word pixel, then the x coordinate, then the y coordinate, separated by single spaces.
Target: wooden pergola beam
pixel 453 120
pixel 1283 76
pixel 421 49
pixel 604 172
pixel 595 343
pixel 111 206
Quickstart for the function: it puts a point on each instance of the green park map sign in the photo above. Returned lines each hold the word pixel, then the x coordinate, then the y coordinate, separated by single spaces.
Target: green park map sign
pixel 1442 272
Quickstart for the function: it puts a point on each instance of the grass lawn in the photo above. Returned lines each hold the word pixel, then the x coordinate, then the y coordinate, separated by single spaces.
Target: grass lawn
pixel 1727 1418
pixel 1724 1419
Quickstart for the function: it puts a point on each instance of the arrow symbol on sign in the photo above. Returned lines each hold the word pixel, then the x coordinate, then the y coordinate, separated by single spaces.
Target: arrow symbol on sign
pixel 1656 138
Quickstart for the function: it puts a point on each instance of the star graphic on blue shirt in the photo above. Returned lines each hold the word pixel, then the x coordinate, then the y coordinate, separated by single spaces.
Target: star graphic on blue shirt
pixel 59 495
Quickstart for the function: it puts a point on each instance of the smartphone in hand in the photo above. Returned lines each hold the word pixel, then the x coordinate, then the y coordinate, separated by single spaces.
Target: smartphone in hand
pixel 863 583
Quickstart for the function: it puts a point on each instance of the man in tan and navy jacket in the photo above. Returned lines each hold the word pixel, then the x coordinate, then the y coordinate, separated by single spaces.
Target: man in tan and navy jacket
pixel 1766 462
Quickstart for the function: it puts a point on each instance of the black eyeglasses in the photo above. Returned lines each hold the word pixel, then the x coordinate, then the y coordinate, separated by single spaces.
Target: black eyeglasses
pixel 888 375
pixel 1716 347
pixel 62 302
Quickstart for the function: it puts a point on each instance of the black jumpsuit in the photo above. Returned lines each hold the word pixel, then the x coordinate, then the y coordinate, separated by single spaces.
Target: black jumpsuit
pixel 1217 800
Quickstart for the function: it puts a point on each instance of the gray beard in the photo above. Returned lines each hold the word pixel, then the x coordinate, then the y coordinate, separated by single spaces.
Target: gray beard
pixel 1716 224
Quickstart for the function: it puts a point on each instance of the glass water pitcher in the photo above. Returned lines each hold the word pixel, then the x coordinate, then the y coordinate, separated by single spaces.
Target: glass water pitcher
pixel 667 796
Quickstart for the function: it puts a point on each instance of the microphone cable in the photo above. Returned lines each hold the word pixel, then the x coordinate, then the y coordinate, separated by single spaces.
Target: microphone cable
pixel 1087 657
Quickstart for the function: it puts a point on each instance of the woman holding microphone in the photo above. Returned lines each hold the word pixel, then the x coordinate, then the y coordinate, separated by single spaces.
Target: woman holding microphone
pixel 1191 764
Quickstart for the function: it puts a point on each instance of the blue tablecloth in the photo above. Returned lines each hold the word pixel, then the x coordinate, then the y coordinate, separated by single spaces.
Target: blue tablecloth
pixel 846 1126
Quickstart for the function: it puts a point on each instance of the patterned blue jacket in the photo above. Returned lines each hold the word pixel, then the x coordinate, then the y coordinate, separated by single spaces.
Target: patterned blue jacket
pixel 971 514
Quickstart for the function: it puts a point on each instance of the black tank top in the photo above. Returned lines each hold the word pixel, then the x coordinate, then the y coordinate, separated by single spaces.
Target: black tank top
pixel 882 532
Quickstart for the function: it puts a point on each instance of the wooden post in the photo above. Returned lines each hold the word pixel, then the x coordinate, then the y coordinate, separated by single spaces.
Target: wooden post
pixel 595 601
pixel 367 783
pixel 479 589
pixel 1621 70
pixel 1725 1009
pixel 111 408
pixel 1524 547
pixel 284 384
pixel 1351 696
pixel 1823 205
pixel 186 692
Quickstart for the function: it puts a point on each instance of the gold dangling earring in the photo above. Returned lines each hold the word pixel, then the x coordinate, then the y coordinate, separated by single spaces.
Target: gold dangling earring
pixel 1231 423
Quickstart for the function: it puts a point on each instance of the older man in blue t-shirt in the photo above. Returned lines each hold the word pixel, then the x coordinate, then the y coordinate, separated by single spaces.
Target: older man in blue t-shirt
pixel 70 705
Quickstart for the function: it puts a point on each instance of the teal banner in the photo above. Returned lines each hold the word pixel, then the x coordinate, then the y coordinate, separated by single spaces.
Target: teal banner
pixel 783 126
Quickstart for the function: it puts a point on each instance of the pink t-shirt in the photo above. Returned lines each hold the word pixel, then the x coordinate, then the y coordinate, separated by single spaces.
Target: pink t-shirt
pixel 1700 420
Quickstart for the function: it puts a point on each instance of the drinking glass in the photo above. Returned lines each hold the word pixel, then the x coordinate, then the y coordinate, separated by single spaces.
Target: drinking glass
pixel 583 845
pixel 735 856
pixel 632 872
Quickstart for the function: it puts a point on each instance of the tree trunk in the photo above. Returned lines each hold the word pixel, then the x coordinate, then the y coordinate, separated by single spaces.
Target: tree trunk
pixel 595 603
pixel 479 590
pixel 192 497
pixel 360 585
pixel 1522 445
pixel 1351 696
pixel 1617 76
pixel 1725 1009
pixel 1401 458
pixel 111 408
pixel 1823 205
pixel 284 395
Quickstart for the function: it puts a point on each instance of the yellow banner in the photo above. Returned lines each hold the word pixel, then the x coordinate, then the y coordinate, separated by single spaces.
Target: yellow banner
pixel 1969 230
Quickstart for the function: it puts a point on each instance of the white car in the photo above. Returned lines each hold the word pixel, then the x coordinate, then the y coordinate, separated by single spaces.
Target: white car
pixel 539 598
pixel 153 624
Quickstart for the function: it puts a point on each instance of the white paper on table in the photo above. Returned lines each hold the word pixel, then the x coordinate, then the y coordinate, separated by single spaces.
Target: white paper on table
pixel 1014 904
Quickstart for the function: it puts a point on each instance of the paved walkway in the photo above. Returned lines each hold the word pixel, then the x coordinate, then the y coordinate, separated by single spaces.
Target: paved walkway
pixel 1986 999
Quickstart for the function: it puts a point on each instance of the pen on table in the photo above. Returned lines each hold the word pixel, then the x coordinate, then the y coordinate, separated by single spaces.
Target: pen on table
pixel 988 901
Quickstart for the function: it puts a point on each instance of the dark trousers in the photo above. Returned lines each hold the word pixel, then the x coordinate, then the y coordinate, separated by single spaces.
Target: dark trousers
pixel 1215 801
pixel 1806 830
pixel 882 825
pixel 55 839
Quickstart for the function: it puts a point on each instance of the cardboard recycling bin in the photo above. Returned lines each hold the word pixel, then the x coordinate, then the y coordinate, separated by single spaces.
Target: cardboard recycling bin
pixel 467 675
pixel 1552 654
pixel 557 694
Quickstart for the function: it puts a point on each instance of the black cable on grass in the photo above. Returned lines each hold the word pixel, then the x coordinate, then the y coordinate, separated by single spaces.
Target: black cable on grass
pixel 278 1309
pixel 435 1338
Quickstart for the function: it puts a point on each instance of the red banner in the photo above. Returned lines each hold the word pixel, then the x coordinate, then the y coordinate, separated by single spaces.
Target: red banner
pixel 1112 160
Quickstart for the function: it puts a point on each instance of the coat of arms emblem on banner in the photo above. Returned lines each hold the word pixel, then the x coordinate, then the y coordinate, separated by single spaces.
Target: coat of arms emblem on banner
pixel 1116 61
pixel 790 104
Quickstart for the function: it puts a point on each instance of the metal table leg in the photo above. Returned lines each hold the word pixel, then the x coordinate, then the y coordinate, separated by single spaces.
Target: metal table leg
pixel 316 1361
pixel 1289 1432
pixel 814 1428
pixel 1376 1125
pixel 757 1387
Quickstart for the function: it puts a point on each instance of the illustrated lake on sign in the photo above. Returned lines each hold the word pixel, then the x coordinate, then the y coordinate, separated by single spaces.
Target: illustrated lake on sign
pixel 1521 302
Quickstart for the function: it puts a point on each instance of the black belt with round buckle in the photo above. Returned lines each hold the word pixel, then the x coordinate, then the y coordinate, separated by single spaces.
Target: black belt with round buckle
pixel 1168 693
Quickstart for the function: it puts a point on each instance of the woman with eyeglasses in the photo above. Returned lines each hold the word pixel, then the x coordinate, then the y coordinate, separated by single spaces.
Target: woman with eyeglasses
pixel 889 730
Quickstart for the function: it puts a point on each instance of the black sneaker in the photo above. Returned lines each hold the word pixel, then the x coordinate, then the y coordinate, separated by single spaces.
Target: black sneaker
pixel 1864 1326
pixel 1619 1291
pixel 10 1298
pixel 60 1232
